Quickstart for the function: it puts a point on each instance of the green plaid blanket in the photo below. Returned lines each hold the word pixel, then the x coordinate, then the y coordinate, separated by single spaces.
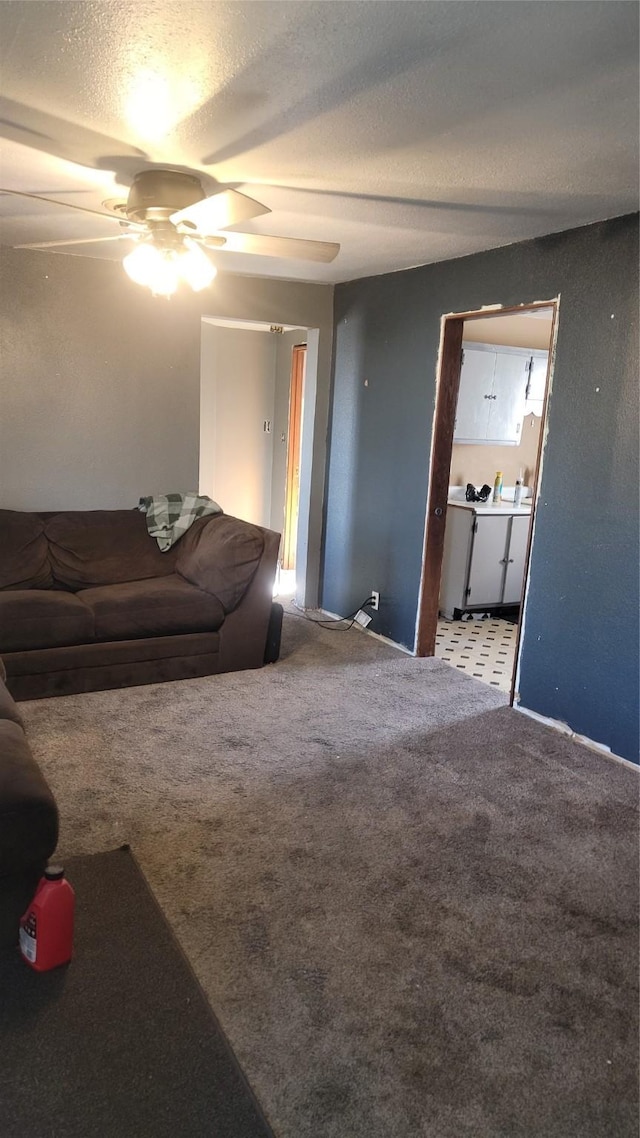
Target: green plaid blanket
pixel 170 515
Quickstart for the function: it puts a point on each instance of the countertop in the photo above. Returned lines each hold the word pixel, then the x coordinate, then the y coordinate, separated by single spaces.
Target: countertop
pixel 499 509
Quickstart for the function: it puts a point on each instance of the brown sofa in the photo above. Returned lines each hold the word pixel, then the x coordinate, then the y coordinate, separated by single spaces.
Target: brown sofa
pixel 88 601
pixel 28 819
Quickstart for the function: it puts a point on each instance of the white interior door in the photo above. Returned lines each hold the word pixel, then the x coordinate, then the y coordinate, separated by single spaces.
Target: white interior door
pixel 487 560
pixel 237 399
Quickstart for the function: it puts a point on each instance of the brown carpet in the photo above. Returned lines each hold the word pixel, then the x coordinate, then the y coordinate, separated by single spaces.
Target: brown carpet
pixel 413 909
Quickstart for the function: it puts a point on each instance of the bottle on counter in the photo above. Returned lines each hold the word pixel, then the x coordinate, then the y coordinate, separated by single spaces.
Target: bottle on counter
pixel 517 493
pixel 497 488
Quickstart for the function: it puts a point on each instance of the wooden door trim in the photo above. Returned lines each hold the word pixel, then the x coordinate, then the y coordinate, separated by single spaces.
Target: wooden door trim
pixel 446 402
pixel 292 476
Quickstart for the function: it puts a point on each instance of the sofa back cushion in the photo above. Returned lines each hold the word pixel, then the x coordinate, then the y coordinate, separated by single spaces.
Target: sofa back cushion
pixel 221 557
pixel 24 552
pixel 88 548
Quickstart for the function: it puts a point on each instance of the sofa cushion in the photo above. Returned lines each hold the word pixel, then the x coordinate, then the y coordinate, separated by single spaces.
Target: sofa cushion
pixel 88 548
pixel 222 558
pixel 164 606
pixel 24 552
pixel 37 618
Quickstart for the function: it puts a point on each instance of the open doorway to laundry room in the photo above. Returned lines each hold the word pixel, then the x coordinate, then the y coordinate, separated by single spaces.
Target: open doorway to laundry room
pixel 493 385
pixel 255 445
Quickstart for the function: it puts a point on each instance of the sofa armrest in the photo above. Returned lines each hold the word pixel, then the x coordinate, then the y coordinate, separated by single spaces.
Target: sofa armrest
pixel 243 635
pixel 28 812
pixel 222 558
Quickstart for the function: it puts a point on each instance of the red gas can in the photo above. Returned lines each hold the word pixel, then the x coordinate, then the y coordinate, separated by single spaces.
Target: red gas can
pixel 46 929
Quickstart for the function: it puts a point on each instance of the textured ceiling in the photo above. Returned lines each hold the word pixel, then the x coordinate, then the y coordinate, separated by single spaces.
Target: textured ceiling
pixel 409 132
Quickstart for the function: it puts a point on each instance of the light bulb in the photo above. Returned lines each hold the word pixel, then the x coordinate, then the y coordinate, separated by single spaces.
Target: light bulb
pixel 165 278
pixel 195 267
pixel 142 263
pixel 149 266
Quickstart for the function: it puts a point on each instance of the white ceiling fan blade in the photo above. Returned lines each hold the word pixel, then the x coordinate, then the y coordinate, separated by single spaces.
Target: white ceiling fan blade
pixel 75 241
pixel 65 140
pixel 290 247
pixel 228 207
pixel 54 201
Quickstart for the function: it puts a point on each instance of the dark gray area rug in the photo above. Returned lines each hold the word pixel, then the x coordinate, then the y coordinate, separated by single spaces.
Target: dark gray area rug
pixel 121 1043
pixel 413 909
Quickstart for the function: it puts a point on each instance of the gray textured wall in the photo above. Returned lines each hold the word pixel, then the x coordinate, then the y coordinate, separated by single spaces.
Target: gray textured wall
pixel 580 651
pixel 99 388
pixel 100 382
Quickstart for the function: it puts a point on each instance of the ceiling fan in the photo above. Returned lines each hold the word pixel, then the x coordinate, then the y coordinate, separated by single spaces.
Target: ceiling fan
pixel 172 221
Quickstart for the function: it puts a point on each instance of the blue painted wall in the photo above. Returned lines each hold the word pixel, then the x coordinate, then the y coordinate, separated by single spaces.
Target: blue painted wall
pixel 580 651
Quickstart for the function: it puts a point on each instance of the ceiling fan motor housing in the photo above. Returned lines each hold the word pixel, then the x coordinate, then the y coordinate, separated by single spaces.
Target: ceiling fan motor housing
pixel 157 194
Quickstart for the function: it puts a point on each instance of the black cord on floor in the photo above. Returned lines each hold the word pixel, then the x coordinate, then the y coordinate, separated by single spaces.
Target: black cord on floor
pixel 329 621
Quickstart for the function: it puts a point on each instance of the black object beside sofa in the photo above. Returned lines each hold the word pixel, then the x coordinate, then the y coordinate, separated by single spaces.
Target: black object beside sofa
pixel 88 601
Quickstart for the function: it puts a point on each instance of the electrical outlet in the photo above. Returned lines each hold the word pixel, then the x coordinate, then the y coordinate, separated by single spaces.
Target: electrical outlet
pixel 375 603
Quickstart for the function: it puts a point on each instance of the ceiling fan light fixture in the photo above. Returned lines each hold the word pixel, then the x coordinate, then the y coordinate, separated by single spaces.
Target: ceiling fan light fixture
pixel 166 277
pixel 152 268
pixel 195 267
pixel 142 263
pixel 161 269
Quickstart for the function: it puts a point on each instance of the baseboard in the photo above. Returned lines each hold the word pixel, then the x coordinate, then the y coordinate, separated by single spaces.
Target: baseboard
pixel 565 729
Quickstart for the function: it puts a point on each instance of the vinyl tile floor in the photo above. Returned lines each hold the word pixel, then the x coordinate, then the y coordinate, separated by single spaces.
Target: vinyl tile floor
pixel 485 648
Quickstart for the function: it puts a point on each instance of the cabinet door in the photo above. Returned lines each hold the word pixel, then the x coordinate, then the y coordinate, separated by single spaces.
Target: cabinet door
pixel 455 561
pixel 508 397
pixel 537 385
pixel 488 552
pixel 516 555
pixel 474 396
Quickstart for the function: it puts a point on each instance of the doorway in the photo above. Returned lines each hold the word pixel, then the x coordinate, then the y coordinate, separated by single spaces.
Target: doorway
pixel 245 407
pixel 493 383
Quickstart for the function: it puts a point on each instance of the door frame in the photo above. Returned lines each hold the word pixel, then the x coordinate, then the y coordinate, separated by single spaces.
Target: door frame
pixel 294 440
pixel 447 386
pixel 313 436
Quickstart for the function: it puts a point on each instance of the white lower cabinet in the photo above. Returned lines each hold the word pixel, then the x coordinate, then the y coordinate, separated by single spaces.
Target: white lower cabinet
pixel 484 560
pixel 516 555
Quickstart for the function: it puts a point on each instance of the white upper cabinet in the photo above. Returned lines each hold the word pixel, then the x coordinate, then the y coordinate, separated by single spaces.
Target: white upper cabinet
pixel 476 379
pixel 537 384
pixel 493 394
pixel 508 397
